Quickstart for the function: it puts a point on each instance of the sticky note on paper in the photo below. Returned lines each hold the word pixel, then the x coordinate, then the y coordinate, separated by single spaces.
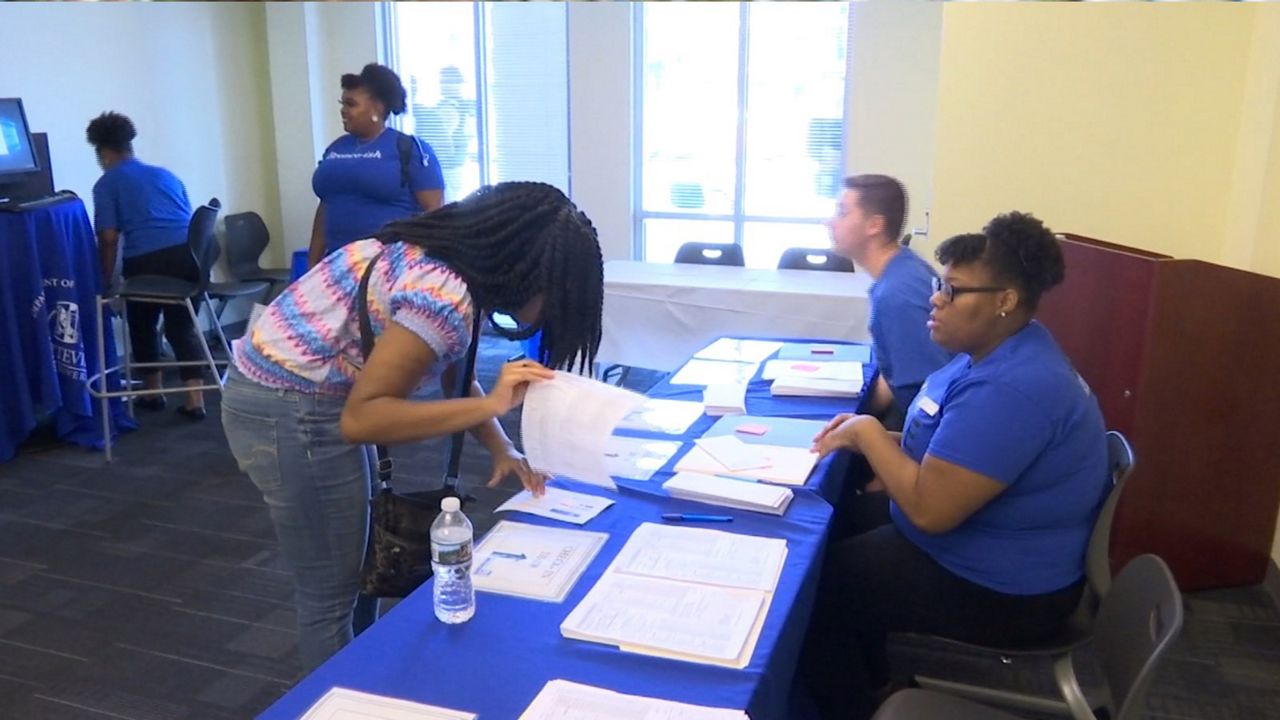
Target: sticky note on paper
pixel 752 429
pixel 805 367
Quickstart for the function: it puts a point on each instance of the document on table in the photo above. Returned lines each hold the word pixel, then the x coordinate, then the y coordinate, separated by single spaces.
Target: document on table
pixel 749 351
pixel 821 352
pixel 533 561
pixel 786 465
pixel 762 430
pixel 732 453
pixel 669 417
pixel 700 623
pixel 344 704
pixel 637 458
pixel 564 700
pixel 558 504
pixel 567 422
pixel 839 370
pixel 796 386
pixel 730 492
pixel 715 372
pixel 725 399
pixel 703 556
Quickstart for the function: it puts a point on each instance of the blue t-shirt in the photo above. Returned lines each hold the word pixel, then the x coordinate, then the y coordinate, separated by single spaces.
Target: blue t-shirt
pixel 146 204
pixel 1023 417
pixel 360 185
pixel 904 352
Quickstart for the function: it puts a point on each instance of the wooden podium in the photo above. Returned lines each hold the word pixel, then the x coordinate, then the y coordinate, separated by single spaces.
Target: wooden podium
pixel 1184 357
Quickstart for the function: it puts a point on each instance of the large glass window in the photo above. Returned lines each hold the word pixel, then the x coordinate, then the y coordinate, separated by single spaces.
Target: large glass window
pixel 741 116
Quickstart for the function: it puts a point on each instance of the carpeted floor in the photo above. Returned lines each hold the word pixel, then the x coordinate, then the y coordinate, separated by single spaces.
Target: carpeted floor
pixel 150 589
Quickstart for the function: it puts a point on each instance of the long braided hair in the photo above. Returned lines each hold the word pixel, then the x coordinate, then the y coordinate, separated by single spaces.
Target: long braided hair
pixel 511 242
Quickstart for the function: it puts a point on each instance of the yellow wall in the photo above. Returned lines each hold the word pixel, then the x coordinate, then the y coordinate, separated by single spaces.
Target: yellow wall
pixel 1118 121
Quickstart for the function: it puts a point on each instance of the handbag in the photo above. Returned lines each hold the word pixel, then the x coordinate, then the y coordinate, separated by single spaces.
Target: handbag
pixel 398 553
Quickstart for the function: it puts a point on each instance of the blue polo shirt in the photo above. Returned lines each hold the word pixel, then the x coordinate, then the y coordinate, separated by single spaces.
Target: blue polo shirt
pixel 1023 417
pixel 146 204
pixel 361 185
pixel 904 352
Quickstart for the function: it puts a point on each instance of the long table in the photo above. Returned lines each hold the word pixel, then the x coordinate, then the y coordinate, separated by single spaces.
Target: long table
pixel 496 663
pixel 656 315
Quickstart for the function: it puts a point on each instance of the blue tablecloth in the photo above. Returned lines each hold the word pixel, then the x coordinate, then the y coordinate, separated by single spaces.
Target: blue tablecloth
pixel 496 663
pixel 49 276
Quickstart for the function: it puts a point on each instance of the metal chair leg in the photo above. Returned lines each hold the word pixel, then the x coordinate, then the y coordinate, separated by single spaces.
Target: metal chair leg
pixel 208 354
pixel 226 345
pixel 127 359
pixel 1065 673
pixel 104 402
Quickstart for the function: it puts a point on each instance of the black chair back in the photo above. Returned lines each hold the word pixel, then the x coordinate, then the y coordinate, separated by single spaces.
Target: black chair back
pixel 203 242
pixel 1136 626
pixel 811 259
pixel 247 238
pixel 699 253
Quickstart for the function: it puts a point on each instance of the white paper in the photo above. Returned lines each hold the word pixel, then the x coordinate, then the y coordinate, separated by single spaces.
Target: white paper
pixel 838 370
pixel 787 465
pixel 703 556
pixel 566 424
pixel 725 399
pixel 714 372
pixel 749 351
pixel 558 504
pixel 344 704
pixel 730 492
pixel 792 386
pixel 533 561
pixel 734 454
pixel 564 700
pixel 638 458
pixel 669 417
pixel 694 621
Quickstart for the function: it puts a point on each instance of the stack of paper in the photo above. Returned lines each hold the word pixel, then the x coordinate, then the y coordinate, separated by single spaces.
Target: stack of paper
pixel 749 351
pixel 825 352
pixel 564 700
pixel 729 492
pixel 567 422
pixel 714 372
pixel 761 430
pixel 344 704
pixel 815 387
pixel 669 417
pixel 836 370
pixel 532 561
pixel 683 593
pixel 770 463
pixel 725 399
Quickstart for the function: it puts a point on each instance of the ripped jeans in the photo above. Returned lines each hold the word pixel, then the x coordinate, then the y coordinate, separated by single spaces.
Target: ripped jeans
pixel 316 486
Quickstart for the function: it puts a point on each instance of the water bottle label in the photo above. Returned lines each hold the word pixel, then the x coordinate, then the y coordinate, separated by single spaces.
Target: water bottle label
pixel 451 554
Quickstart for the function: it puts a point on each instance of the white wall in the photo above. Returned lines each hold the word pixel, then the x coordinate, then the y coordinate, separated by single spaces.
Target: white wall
pixel 188 74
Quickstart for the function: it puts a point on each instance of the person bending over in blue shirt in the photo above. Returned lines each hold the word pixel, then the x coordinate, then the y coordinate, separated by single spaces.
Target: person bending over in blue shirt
pixel 865 230
pixel 147 207
pixel 373 174
pixel 995 482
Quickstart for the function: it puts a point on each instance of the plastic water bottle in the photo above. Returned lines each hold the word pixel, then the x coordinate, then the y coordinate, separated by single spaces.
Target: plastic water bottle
pixel 454 596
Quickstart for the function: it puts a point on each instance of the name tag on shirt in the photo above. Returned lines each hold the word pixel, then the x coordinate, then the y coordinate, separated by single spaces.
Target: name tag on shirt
pixel 927 406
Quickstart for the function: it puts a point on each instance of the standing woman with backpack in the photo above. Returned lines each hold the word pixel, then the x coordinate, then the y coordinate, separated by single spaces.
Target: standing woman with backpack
pixel 373 174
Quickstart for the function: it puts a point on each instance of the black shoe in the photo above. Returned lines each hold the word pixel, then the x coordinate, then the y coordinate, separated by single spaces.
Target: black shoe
pixel 197 413
pixel 149 402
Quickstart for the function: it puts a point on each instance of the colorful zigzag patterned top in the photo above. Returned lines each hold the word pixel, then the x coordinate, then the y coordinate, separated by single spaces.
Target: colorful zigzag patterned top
pixel 308 339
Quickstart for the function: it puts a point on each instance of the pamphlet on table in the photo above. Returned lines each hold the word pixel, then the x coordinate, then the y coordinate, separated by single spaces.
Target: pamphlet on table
pixel 344 704
pixel 564 700
pixel 533 561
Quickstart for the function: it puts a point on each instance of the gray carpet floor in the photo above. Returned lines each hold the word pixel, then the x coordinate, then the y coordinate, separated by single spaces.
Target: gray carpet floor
pixel 150 589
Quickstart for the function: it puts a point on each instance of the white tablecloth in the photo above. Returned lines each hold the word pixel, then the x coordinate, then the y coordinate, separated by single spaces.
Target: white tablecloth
pixel 657 315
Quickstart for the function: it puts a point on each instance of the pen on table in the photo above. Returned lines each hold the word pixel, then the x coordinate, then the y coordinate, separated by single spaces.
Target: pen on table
pixel 696 517
pixel 516 358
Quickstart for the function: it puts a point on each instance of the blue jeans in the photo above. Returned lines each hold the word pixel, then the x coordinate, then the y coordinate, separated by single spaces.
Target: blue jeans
pixel 316 486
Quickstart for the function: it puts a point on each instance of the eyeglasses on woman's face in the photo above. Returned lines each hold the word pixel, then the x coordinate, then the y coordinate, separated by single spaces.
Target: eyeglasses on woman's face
pixel 949 291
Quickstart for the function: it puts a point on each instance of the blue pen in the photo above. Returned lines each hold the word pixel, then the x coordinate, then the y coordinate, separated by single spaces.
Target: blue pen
pixel 695 517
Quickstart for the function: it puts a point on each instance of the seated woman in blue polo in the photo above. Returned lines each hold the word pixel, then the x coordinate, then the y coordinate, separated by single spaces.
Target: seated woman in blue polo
pixel 994 483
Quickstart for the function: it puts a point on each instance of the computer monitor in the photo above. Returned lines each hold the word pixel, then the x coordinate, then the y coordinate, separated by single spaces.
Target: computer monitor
pixel 17 150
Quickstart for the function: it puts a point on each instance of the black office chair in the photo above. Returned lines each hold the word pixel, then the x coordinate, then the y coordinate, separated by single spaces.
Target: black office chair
pixel 699 253
pixel 1078 631
pixel 223 294
pixel 247 238
pixel 163 290
pixel 810 259
pixel 1135 627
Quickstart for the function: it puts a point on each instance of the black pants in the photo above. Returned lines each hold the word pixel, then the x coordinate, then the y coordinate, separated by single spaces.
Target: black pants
pixel 144 317
pixel 880 582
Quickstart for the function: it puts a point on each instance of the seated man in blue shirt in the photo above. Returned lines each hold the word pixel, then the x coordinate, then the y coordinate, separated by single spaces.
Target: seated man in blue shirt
pixel 145 208
pixel 865 230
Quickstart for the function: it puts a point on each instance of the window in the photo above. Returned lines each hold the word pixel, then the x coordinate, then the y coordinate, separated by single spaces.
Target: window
pixel 741 115
pixel 488 88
